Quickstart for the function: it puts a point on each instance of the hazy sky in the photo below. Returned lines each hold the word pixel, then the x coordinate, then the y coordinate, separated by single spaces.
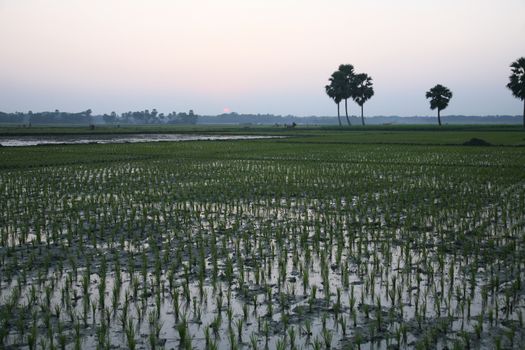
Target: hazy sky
pixel 256 56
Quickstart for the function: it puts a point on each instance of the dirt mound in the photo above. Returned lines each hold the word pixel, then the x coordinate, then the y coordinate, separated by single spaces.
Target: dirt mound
pixel 476 142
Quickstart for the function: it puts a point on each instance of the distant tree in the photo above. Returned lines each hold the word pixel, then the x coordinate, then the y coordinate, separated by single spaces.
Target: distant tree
pixel 111 118
pixel 87 115
pixel 182 118
pixel 439 97
pixel 349 85
pixel 28 118
pixel 335 90
pixel 363 91
pixel 190 118
pixel 517 81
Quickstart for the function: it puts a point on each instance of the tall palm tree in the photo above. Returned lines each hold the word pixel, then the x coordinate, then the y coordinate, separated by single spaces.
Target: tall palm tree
pixel 517 81
pixel 335 90
pixel 363 91
pixel 348 71
pixel 439 97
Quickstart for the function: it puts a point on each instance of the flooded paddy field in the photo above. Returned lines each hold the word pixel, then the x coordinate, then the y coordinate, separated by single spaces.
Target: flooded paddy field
pixel 262 244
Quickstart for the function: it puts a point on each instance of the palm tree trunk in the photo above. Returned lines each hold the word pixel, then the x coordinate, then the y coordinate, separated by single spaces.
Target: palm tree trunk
pixel 339 115
pixel 346 112
pixel 362 117
pixel 439 117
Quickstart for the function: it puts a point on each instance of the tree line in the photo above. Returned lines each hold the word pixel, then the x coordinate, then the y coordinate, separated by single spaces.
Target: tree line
pixel 151 117
pixel 51 117
pixel 86 117
pixel 345 84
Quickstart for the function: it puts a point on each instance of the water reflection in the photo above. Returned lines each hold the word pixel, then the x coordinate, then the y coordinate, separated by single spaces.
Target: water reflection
pixel 12 141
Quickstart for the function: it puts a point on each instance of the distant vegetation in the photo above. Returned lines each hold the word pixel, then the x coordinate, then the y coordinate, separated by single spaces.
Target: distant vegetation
pixel 18 119
pixel 153 117
pixel 344 84
pixel 86 117
pixel 278 120
pixel 55 117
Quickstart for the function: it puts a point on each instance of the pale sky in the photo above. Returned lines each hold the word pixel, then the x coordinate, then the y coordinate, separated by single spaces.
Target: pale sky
pixel 256 56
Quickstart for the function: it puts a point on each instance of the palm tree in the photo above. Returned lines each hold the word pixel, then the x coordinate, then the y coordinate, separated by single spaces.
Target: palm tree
pixel 363 91
pixel 517 81
pixel 348 71
pixel 439 97
pixel 335 90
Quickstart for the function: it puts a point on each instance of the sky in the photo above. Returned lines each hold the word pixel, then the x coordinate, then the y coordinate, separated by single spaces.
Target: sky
pixel 256 56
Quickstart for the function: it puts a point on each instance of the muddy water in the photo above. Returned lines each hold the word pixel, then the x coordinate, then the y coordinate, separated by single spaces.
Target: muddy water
pixel 17 141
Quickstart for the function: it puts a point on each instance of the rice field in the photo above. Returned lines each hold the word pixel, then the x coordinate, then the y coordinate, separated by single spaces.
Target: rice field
pixel 262 244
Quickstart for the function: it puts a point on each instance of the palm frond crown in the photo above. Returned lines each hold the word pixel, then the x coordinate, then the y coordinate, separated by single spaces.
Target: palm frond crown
pixel 439 97
pixel 517 78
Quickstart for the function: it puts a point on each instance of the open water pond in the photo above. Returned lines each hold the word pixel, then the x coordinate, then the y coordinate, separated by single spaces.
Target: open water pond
pixel 12 141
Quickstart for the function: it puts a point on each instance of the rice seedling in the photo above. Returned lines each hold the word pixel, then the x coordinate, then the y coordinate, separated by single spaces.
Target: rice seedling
pixel 130 335
pixel 254 341
pixel 183 331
